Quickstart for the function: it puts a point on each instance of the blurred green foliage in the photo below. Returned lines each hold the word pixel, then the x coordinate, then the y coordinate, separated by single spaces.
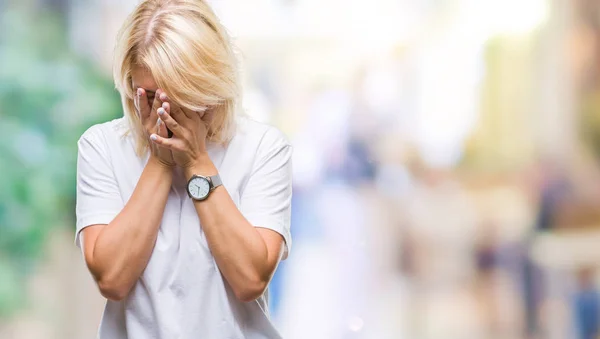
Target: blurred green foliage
pixel 48 97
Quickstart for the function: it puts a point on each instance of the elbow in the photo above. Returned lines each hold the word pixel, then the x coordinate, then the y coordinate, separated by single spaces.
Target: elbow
pixel 112 290
pixel 251 290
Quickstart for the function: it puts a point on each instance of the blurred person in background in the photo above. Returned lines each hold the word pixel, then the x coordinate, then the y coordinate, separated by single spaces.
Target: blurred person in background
pixel 553 189
pixel 183 205
pixel 486 264
pixel 587 305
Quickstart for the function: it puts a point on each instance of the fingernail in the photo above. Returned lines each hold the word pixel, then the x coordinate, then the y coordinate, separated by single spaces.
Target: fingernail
pixel 163 96
pixel 158 121
pixel 161 111
pixel 153 137
pixel 165 105
pixel 139 92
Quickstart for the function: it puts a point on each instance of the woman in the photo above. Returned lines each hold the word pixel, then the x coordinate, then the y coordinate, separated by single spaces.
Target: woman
pixel 183 208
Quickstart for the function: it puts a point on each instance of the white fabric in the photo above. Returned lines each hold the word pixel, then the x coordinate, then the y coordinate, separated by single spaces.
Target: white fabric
pixel 181 293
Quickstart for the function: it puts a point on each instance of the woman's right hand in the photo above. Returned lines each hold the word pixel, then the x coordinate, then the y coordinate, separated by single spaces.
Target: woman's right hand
pixel 152 124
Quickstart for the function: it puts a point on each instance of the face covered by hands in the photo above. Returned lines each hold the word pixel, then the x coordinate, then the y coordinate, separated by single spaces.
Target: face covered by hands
pixel 188 142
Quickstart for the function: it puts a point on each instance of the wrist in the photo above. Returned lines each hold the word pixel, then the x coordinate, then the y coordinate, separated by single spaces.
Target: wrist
pixel 202 165
pixel 159 165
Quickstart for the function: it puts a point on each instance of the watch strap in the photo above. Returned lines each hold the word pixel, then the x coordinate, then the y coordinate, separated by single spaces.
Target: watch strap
pixel 215 181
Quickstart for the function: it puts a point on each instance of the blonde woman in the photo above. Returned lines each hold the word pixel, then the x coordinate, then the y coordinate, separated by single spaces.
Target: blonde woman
pixel 183 207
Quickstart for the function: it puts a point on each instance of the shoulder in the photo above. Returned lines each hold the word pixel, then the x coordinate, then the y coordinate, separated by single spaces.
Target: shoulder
pixel 110 129
pixel 263 137
pixel 105 141
pixel 103 135
pixel 255 144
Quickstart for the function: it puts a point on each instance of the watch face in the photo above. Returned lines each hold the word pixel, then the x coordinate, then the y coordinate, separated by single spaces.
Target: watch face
pixel 199 188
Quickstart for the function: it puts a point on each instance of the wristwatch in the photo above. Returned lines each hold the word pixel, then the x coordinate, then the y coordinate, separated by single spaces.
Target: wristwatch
pixel 199 187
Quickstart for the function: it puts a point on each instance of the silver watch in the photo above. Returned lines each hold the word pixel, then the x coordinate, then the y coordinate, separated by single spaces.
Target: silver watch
pixel 199 187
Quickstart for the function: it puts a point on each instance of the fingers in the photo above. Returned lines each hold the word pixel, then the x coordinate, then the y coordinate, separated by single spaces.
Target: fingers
pixel 163 153
pixel 175 110
pixel 141 103
pixel 207 115
pixel 165 106
pixel 170 123
pixel 163 96
pixel 170 143
pixel 157 103
pixel 162 128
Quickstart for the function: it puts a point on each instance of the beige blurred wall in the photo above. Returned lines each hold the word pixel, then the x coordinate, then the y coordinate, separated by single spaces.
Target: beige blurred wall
pixel 64 302
pixel 528 95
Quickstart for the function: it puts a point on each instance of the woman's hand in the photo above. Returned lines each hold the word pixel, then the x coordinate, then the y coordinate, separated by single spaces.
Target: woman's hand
pixel 153 125
pixel 188 143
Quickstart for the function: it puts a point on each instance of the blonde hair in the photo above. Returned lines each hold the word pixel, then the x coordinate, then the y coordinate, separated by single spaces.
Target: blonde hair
pixel 188 52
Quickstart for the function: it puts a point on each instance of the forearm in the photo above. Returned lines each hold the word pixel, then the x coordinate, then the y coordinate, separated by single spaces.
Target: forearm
pixel 246 255
pixel 238 248
pixel 123 247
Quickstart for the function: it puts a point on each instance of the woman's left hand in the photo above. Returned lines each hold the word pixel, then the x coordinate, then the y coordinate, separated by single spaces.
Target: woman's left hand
pixel 188 142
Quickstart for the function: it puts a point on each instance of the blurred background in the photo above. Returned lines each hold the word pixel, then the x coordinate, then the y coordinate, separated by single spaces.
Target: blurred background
pixel 447 174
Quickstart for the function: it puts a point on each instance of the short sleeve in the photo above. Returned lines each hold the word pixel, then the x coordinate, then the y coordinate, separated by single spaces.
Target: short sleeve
pixel 266 198
pixel 98 197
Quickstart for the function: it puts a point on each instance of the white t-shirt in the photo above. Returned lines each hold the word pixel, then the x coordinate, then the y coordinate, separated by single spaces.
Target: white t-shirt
pixel 181 293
